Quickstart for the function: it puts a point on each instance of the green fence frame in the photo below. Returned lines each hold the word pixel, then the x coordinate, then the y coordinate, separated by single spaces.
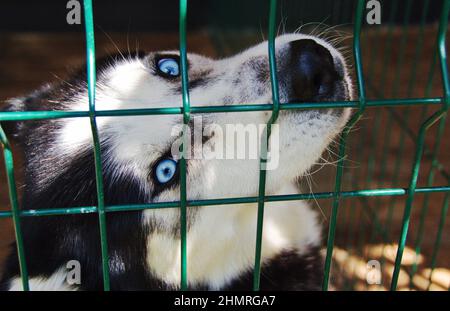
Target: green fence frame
pixel 186 110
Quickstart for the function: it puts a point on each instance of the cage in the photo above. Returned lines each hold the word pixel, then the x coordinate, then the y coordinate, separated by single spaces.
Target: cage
pixel 385 206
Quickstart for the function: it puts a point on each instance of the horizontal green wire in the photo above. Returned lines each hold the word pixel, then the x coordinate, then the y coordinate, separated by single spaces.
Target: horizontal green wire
pixel 41 115
pixel 226 201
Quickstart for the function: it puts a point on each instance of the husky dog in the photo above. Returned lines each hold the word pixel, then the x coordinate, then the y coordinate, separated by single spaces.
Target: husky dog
pixel 138 168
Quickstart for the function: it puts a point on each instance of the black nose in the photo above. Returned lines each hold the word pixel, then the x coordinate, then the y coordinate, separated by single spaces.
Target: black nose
pixel 311 71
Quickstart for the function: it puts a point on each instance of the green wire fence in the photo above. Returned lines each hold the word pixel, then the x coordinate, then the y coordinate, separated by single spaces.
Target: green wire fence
pixel 439 103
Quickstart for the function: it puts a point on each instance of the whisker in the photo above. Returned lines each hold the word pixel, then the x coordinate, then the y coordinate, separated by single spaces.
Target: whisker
pixel 113 43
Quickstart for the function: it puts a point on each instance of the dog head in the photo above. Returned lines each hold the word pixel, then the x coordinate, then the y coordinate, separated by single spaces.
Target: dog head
pixel 137 151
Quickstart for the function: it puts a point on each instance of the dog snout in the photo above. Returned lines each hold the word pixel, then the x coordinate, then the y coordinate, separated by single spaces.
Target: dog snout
pixel 311 71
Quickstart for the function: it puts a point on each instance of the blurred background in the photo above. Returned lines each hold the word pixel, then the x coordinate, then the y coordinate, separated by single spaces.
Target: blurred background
pixel 399 60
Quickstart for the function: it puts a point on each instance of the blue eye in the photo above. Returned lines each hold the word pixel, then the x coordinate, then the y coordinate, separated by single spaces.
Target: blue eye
pixel 165 170
pixel 169 66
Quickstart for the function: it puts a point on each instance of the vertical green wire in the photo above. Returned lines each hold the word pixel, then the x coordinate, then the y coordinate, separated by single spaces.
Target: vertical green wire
pixel 9 166
pixel 91 76
pixel 186 118
pixel 421 139
pixel 342 142
pixel 263 160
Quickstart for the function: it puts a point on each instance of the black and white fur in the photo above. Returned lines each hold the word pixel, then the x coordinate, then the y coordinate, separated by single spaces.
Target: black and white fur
pixel 144 246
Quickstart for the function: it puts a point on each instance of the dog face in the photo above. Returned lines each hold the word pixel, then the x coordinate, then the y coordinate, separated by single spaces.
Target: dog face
pixel 309 70
pixel 140 148
pixel 139 164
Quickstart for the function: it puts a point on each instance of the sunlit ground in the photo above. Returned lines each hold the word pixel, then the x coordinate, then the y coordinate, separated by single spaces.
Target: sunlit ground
pixel 350 271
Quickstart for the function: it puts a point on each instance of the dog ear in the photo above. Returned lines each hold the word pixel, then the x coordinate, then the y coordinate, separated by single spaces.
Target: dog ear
pixel 16 130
